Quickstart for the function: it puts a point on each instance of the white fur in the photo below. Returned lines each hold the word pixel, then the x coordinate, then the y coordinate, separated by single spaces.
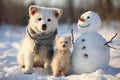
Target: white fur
pixel 44 14
pixel 61 61
pixel 25 55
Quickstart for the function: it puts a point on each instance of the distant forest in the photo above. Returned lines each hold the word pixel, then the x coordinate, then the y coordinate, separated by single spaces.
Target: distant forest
pixel 17 13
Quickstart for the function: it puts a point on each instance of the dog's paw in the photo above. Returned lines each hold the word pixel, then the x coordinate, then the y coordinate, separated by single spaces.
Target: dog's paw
pixel 56 75
pixel 28 71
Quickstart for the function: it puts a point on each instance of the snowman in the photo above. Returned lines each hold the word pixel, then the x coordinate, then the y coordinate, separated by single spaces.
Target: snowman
pixel 89 53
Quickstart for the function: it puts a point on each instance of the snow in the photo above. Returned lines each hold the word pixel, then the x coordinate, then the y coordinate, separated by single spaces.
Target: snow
pixel 89 22
pixel 10 39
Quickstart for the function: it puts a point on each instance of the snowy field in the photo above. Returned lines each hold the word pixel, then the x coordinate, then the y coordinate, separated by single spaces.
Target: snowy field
pixel 11 37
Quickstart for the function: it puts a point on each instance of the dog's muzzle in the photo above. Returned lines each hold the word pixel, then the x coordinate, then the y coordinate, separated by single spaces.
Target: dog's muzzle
pixel 64 46
pixel 44 27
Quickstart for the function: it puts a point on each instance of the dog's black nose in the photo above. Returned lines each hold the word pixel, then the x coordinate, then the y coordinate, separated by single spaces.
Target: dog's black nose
pixel 64 45
pixel 44 26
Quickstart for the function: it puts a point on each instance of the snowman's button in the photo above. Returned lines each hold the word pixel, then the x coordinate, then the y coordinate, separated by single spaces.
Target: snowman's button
pixel 85 55
pixel 84 47
pixel 83 40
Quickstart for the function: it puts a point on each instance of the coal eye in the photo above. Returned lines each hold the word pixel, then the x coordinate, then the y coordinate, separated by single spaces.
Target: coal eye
pixel 88 17
pixel 49 20
pixel 65 42
pixel 39 19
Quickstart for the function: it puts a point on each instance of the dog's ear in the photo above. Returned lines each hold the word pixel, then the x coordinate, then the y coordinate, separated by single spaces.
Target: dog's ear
pixel 57 12
pixel 33 9
pixel 57 37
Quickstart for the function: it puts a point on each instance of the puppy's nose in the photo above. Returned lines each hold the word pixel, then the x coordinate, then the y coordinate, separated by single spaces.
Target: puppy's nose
pixel 44 26
pixel 64 45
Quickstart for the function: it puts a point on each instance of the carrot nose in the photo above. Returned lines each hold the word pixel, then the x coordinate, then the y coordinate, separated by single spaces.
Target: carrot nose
pixel 81 19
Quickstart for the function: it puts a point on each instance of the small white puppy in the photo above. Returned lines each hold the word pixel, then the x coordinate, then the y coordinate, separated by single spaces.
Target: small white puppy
pixel 61 61
pixel 37 47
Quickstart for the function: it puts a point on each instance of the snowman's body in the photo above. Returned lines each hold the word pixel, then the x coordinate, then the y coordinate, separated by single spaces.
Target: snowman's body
pixel 89 53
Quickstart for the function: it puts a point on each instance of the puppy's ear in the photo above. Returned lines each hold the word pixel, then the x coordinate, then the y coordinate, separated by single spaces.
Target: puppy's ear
pixel 57 37
pixel 57 12
pixel 33 9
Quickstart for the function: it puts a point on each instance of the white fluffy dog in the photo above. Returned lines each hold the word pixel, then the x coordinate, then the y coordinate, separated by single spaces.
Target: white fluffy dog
pixel 61 60
pixel 37 47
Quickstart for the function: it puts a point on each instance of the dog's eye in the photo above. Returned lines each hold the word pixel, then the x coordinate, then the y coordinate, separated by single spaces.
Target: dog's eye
pixel 65 42
pixel 60 42
pixel 49 20
pixel 39 19
pixel 88 17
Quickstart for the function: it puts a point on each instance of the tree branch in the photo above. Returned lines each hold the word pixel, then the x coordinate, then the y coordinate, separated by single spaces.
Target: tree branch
pixel 111 42
pixel 72 36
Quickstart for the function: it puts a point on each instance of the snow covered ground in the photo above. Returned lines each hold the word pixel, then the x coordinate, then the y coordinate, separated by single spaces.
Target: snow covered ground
pixel 10 39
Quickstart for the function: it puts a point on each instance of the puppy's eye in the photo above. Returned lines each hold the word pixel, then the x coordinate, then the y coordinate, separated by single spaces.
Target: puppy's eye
pixel 88 17
pixel 39 19
pixel 60 42
pixel 65 42
pixel 49 20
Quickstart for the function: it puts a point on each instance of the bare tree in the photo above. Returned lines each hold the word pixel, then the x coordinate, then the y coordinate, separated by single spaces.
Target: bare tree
pixel 100 8
pixel 70 8
pixel 108 6
pixel 1 12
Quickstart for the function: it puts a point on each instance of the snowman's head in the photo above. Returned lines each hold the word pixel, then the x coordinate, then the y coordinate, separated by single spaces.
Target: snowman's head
pixel 89 22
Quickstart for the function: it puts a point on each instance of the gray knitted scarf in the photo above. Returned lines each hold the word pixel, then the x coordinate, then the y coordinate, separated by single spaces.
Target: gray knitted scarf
pixel 41 39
